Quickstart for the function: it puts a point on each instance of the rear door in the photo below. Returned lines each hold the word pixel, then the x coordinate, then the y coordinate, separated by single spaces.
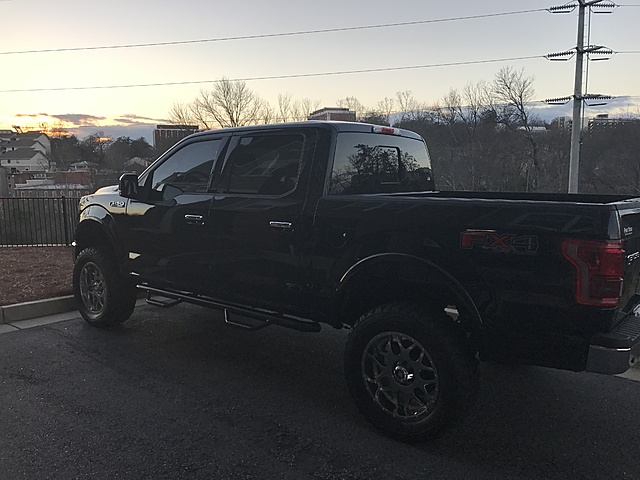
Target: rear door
pixel 257 219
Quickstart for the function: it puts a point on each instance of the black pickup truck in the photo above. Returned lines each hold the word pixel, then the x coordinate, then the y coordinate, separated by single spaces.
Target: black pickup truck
pixel 314 223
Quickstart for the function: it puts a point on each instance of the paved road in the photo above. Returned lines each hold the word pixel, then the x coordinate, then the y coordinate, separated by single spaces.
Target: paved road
pixel 176 394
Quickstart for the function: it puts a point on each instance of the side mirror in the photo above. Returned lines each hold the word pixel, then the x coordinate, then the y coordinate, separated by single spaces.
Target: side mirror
pixel 128 186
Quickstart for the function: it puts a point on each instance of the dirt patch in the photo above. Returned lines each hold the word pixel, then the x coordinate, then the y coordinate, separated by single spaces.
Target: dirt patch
pixel 34 273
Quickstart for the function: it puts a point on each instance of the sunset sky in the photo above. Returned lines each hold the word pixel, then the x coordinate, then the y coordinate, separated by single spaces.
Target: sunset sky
pixel 57 86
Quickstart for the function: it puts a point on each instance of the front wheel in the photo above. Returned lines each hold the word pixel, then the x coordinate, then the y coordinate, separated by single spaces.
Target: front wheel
pixel 408 371
pixel 103 296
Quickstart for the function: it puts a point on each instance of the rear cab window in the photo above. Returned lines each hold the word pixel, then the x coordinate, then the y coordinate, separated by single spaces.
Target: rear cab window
pixel 377 163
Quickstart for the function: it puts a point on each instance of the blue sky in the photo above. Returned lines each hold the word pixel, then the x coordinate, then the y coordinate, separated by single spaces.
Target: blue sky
pixel 42 24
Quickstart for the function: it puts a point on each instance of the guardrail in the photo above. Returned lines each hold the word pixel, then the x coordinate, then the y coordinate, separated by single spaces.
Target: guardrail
pixel 37 221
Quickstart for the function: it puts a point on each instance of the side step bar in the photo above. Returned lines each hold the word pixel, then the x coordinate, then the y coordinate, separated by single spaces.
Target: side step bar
pixel 261 318
pixel 160 303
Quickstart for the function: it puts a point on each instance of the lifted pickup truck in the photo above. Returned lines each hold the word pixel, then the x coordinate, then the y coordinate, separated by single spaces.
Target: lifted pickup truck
pixel 332 223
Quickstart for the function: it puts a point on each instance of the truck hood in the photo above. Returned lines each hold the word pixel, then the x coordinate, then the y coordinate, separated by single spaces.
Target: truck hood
pixel 107 197
pixel 110 189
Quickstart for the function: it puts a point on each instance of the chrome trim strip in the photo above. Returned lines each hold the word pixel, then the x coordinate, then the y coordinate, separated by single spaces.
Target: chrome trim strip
pixel 281 225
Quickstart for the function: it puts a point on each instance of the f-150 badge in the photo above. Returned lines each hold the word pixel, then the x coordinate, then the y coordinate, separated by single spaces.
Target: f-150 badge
pixel 499 242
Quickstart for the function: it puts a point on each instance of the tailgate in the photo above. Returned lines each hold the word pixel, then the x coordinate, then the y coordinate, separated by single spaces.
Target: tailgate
pixel 629 213
pixel 619 348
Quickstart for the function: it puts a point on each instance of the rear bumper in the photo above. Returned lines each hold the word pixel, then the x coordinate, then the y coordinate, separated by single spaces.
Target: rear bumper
pixel 617 351
pixel 611 360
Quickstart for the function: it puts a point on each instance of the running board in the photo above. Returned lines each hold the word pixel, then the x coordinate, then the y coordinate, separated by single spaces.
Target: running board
pixel 261 318
pixel 160 303
pixel 245 325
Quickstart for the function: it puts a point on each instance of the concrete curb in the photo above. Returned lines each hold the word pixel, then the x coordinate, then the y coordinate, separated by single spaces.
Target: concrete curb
pixel 35 309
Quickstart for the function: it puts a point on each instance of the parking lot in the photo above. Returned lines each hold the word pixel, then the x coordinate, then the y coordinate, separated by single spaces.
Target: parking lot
pixel 177 394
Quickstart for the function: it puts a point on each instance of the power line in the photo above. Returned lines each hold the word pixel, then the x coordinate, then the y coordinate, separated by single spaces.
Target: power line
pixel 275 77
pixel 272 35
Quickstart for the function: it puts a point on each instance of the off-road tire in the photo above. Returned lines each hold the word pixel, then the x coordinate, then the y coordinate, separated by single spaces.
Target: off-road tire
pixel 104 297
pixel 409 371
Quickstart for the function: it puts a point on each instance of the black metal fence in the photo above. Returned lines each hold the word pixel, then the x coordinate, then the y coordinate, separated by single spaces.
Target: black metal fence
pixel 37 221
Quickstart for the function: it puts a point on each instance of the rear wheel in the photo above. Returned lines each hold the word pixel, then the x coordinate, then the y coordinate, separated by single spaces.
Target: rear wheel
pixel 103 296
pixel 409 372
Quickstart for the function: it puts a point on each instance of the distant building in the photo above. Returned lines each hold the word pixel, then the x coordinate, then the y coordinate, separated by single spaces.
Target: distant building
pixel 137 164
pixel 24 152
pixel 601 122
pixel 561 123
pixel 51 185
pixel 165 136
pixel 534 129
pixel 24 160
pixel 38 137
pixel 333 113
pixel 4 182
pixel 69 190
pixel 83 166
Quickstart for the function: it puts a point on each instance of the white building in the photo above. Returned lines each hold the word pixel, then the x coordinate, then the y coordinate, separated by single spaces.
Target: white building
pixel 24 152
pixel 24 160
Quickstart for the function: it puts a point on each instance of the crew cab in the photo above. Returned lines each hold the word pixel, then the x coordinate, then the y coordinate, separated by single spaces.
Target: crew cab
pixel 340 224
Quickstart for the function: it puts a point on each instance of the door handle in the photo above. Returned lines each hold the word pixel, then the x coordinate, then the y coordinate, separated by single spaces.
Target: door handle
pixel 194 219
pixel 281 225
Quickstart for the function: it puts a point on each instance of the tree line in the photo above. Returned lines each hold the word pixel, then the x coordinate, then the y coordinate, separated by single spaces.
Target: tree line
pixel 105 152
pixel 484 137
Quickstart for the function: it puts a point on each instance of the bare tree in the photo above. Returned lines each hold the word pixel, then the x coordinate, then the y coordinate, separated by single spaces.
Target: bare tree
pixel 229 104
pixel 461 115
pixel 353 104
pixel 284 107
pixel 180 114
pixel 290 110
pixel 381 115
pixel 266 113
pixel 386 106
pixel 512 91
pixel 450 109
pixel 302 108
pixel 408 106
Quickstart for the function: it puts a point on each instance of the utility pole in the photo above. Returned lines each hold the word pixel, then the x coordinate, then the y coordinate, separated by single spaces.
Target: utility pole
pixel 576 123
pixel 578 95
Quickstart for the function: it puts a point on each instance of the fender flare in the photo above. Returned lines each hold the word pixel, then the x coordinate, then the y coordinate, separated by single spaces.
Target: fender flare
pixel 427 268
pixel 92 217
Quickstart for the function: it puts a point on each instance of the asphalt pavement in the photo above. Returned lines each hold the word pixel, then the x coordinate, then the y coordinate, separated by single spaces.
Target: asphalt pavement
pixel 177 394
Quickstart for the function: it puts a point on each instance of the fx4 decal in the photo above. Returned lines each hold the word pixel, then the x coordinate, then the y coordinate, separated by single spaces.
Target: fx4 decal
pixel 499 242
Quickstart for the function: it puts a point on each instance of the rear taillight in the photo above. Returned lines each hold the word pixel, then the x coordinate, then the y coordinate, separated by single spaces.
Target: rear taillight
pixel 599 270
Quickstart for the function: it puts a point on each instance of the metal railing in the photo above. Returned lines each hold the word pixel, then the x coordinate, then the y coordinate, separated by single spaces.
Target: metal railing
pixel 37 221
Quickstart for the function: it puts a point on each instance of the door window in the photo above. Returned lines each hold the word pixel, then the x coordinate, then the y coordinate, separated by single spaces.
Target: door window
pixel 265 164
pixel 187 170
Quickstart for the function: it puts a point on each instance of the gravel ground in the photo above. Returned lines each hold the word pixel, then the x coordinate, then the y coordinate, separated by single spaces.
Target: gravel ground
pixel 34 273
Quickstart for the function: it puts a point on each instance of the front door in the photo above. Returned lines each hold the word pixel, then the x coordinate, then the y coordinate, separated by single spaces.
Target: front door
pixel 168 235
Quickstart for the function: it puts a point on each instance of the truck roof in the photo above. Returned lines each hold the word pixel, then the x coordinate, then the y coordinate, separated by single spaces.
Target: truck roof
pixel 334 125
